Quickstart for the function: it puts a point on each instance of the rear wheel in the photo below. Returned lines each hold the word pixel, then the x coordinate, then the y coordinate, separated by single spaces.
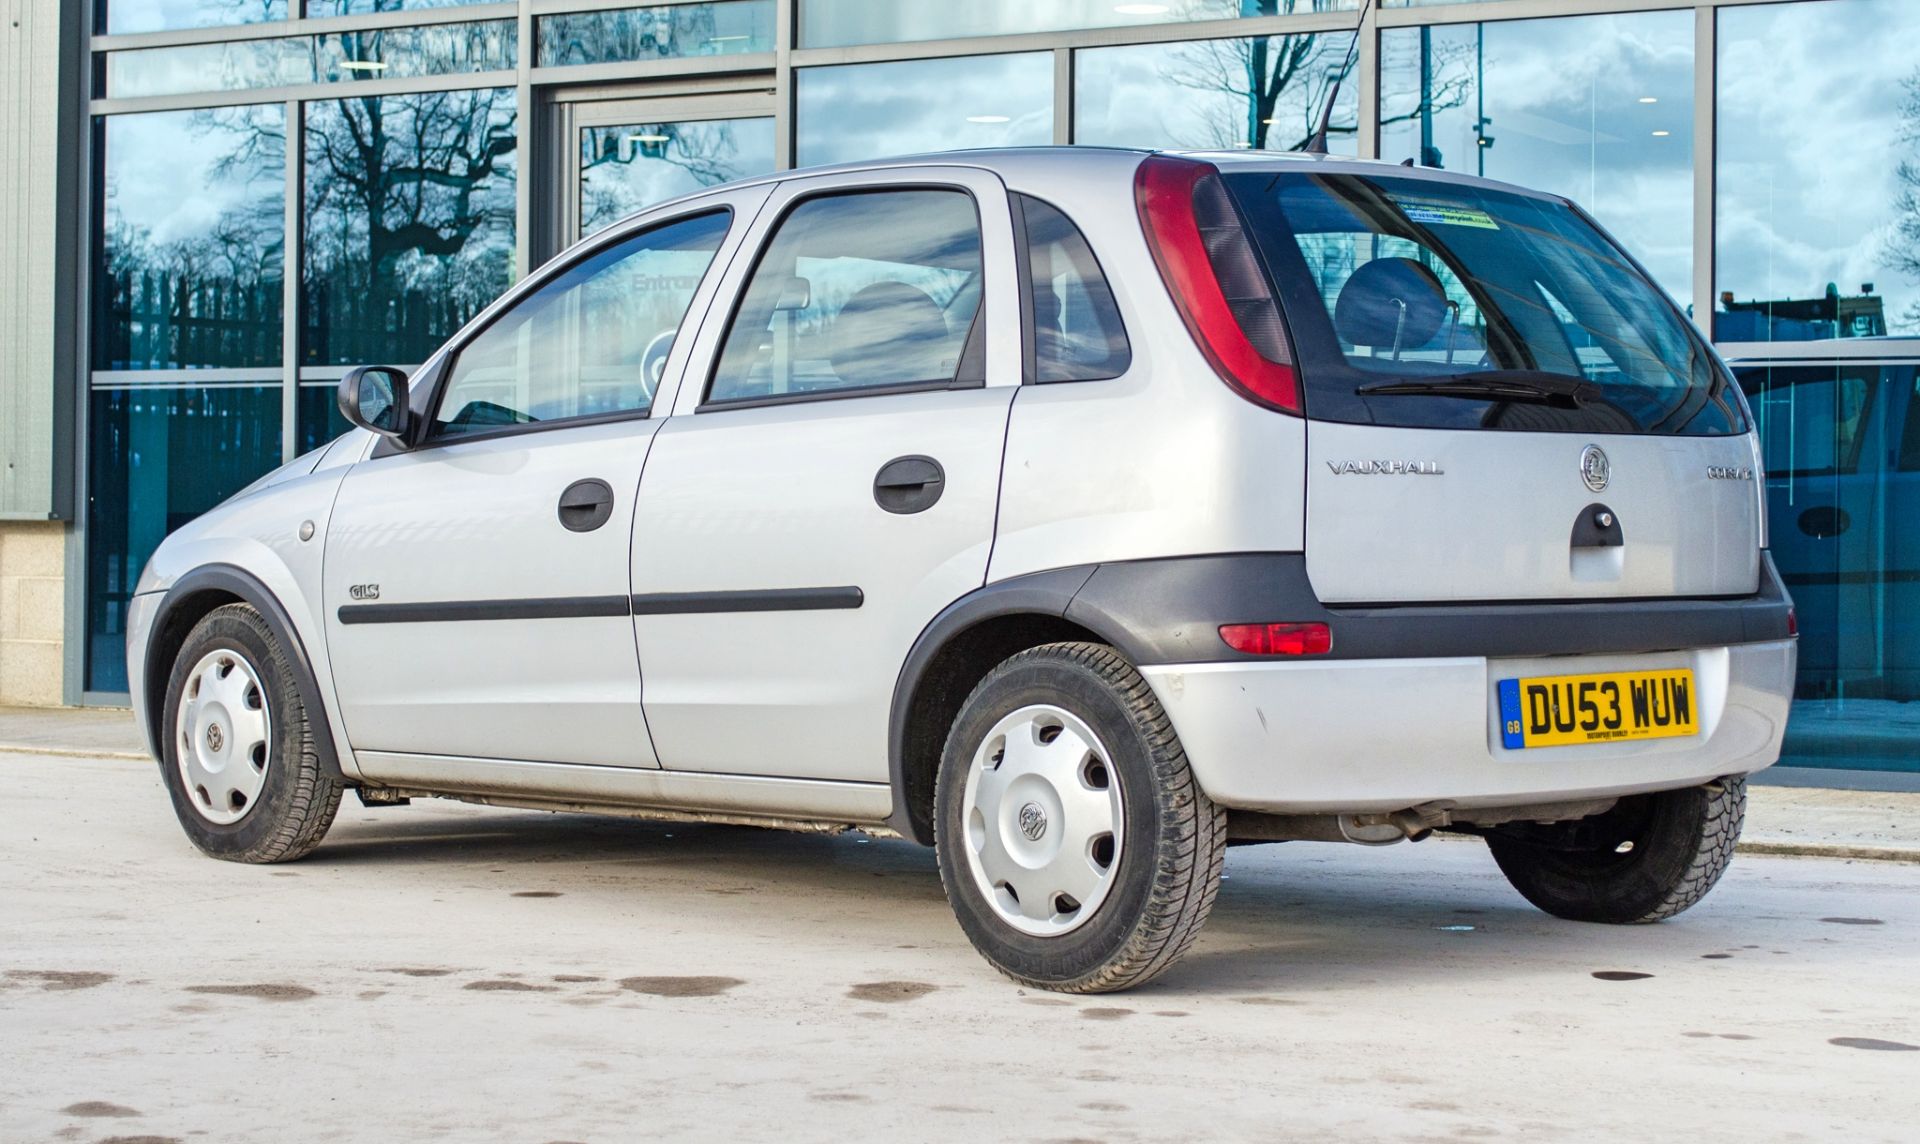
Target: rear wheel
pixel 1074 844
pixel 237 752
pixel 1649 858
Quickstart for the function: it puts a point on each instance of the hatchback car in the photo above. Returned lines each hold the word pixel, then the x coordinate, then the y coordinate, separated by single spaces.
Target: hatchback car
pixel 1074 511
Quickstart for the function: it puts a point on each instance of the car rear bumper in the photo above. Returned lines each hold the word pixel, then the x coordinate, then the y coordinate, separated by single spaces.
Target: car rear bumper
pixel 1376 735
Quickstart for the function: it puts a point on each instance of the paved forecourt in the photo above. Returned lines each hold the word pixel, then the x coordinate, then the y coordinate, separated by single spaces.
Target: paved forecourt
pixel 442 971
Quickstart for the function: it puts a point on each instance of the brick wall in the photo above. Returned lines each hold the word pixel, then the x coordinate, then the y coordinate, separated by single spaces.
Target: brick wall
pixel 32 607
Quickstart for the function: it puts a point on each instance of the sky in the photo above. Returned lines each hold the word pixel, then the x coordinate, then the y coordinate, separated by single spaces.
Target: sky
pixel 1810 136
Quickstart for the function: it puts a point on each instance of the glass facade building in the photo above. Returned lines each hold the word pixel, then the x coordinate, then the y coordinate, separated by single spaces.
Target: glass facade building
pixel 280 189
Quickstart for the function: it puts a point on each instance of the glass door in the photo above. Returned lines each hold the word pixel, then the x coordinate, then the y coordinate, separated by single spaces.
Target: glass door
pixel 624 155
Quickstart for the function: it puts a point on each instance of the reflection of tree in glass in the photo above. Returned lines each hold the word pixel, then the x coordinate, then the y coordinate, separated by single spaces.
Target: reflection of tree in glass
pixel 209 298
pixel 1284 81
pixel 706 151
pixel 1903 248
pixel 632 34
pixel 409 219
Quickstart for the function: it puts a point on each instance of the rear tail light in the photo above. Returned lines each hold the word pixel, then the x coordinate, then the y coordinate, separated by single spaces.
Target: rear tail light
pixel 1793 622
pixel 1278 639
pixel 1209 267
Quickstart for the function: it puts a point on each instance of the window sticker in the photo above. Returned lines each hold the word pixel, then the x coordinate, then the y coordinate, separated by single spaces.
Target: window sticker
pixel 1431 212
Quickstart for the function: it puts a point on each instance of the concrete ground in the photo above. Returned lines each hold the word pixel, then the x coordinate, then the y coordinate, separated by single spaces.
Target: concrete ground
pixel 445 972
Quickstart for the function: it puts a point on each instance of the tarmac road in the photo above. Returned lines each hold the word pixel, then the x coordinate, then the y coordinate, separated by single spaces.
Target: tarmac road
pixel 445 972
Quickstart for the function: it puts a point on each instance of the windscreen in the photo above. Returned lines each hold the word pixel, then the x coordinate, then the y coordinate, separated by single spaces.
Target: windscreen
pixel 1416 302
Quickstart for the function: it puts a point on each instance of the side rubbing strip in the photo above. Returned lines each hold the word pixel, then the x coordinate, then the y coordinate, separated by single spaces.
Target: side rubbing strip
pixel 562 608
pixel 588 607
pixel 757 600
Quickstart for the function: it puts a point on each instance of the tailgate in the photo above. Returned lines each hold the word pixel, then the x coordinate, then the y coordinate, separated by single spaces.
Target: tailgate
pixel 1415 515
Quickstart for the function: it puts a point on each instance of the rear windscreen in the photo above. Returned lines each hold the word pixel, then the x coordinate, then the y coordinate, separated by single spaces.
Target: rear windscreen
pixel 1415 302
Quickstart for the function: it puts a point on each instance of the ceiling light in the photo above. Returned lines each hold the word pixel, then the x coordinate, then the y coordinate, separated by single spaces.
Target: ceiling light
pixel 1141 9
pixel 649 138
pixel 1649 99
pixel 1661 134
pixel 363 65
pixel 726 39
pixel 988 119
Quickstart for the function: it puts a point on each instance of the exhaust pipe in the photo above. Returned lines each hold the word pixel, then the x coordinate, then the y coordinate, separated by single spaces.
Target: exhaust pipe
pixel 1409 825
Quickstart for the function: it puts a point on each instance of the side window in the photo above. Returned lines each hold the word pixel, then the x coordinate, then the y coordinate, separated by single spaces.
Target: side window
pixel 1077 335
pixel 1812 419
pixel 590 342
pixel 857 291
pixel 1910 430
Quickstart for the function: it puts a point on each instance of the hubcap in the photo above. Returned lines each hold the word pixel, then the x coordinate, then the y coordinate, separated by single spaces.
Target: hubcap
pixel 222 736
pixel 1043 813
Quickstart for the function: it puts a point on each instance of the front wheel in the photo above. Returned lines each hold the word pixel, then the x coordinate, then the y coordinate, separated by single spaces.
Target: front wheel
pixel 1074 844
pixel 238 754
pixel 1647 859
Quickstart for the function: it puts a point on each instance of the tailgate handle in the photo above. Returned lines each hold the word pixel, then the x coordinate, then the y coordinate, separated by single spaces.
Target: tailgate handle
pixel 1597 527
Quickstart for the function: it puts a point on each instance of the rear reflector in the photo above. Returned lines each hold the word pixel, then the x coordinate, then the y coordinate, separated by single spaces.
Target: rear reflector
pixel 1209 267
pixel 1278 639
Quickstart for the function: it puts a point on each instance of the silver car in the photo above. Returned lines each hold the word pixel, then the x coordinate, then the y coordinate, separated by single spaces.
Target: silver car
pixel 1073 511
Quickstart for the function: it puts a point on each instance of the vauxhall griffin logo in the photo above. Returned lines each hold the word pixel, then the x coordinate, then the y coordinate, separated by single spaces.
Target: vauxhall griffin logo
pixel 1595 469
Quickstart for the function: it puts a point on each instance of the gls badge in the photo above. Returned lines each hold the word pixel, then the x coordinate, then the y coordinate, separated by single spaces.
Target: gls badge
pixel 363 591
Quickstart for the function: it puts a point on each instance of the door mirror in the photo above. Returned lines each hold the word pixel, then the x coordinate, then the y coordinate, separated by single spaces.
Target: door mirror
pixel 374 397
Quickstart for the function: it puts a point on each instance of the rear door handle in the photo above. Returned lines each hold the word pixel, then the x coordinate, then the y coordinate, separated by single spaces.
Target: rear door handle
pixel 586 505
pixel 909 484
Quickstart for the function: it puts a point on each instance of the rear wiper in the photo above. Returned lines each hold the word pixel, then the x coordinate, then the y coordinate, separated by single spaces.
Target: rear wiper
pixel 1525 386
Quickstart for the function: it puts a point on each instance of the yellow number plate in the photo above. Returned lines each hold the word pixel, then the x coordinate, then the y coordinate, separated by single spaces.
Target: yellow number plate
pixel 1554 710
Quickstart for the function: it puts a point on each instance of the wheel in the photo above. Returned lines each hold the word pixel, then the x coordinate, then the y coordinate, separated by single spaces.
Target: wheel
pixel 1649 858
pixel 239 760
pixel 1074 844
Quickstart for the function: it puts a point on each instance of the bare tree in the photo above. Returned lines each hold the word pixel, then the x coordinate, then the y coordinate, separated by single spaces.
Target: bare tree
pixel 1903 246
pixel 1284 81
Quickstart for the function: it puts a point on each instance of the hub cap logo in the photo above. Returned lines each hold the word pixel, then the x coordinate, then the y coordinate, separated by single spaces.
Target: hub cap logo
pixel 1595 469
pixel 216 738
pixel 1033 821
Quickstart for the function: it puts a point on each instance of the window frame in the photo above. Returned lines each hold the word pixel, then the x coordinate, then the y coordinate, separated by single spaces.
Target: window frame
pixel 444 363
pixel 968 349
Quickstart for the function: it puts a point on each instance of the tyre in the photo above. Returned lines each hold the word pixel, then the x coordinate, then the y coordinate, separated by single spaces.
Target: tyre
pixel 237 749
pixel 1074 844
pixel 1649 858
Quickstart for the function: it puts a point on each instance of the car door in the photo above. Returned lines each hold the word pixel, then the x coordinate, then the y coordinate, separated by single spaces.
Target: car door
pixel 1825 430
pixel 476 582
pixel 828 482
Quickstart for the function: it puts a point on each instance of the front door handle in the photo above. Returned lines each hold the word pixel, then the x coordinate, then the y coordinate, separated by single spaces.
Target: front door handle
pixel 909 484
pixel 586 505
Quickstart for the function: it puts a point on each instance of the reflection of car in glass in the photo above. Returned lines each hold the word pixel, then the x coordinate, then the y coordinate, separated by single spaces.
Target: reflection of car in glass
pixel 1842 442
pixel 1075 512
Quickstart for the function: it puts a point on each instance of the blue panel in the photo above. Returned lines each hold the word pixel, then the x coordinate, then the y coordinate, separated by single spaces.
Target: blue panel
pixel 1511 735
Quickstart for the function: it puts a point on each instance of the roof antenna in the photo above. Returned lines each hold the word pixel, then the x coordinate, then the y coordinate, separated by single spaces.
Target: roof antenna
pixel 1316 143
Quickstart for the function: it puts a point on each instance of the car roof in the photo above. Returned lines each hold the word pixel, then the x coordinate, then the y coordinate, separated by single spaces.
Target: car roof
pixel 1034 169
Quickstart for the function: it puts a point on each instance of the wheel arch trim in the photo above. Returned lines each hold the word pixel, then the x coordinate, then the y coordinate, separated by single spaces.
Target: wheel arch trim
pixel 231 580
pixel 1047 595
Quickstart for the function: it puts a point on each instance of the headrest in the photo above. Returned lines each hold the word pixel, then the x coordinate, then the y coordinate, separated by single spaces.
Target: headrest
pixel 890 332
pixel 1388 302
